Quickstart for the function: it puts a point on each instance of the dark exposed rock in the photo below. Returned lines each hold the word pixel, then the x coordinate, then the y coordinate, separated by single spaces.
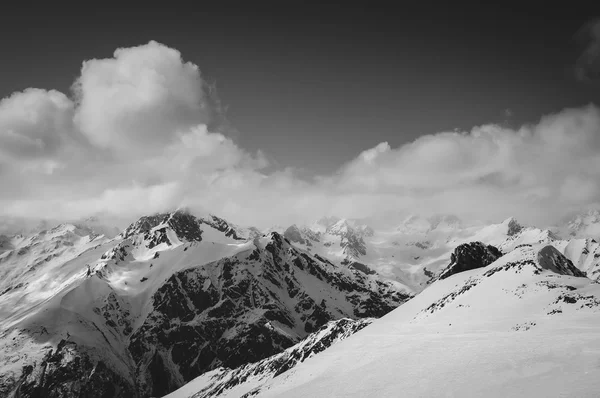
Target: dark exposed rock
pixel 470 256
pixel 69 372
pixel 513 227
pixel 551 259
pixel 242 314
pixel 222 380
pixel 361 267
pixel 223 226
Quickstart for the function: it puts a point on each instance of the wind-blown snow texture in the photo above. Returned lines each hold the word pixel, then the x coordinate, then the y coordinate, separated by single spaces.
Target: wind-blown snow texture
pixel 170 298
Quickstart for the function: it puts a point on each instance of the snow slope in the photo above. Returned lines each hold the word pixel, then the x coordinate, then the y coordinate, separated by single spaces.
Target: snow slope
pixel 522 326
pixel 223 382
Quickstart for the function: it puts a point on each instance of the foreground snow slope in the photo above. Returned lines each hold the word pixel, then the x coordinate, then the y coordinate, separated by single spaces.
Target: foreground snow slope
pixel 223 382
pixel 522 326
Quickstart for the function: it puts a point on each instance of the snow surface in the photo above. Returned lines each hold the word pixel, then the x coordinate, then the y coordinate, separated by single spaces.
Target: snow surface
pixel 503 330
pixel 224 382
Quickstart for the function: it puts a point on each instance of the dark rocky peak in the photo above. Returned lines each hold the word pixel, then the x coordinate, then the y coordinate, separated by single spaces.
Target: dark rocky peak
pixel 224 226
pixel 144 224
pixel 185 225
pixel 470 256
pixel 275 239
pixel 513 226
pixel 302 236
pixel 549 258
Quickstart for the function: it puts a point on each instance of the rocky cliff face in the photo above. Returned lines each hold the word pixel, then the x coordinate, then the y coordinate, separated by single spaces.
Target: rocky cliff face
pixel 247 307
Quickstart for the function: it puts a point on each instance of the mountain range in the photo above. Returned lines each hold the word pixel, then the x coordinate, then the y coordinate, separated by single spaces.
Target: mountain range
pixel 191 305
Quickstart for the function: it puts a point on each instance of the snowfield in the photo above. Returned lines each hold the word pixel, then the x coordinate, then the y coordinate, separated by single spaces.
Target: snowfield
pixel 511 329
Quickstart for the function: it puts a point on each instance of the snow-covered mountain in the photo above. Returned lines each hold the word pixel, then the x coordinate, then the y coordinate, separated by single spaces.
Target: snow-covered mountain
pixel 171 297
pixel 585 224
pixel 525 325
pixel 174 297
pixel 417 250
pixel 223 382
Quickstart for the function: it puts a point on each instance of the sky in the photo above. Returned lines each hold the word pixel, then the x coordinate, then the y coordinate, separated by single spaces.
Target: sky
pixel 272 114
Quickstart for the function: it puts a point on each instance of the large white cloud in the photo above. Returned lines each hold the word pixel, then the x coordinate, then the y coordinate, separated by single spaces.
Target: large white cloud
pixel 134 140
pixel 140 99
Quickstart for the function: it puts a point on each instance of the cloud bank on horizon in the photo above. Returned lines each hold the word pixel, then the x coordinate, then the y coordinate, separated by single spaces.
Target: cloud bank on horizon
pixel 138 135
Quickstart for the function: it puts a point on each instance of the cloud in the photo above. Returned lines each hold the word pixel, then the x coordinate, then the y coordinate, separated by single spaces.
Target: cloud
pixel 587 67
pixel 490 170
pixel 34 124
pixel 139 100
pixel 141 134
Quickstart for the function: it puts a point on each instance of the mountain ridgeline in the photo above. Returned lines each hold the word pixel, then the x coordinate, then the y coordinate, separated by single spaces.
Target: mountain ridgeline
pixel 185 306
pixel 172 297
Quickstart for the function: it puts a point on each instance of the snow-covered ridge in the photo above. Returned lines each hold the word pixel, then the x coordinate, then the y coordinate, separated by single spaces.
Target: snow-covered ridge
pixel 521 326
pixel 224 382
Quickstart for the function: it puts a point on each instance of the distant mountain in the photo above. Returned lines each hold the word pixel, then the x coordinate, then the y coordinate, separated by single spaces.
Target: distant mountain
pixel 582 225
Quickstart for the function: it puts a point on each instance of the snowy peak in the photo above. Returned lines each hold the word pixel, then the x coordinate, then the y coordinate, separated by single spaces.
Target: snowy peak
pixel 351 235
pixel 186 227
pixel 585 224
pixel 324 223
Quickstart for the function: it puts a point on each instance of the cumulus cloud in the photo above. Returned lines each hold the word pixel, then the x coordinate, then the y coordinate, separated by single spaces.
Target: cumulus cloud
pixel 140 99
pixel 139 136
pixel 34 124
